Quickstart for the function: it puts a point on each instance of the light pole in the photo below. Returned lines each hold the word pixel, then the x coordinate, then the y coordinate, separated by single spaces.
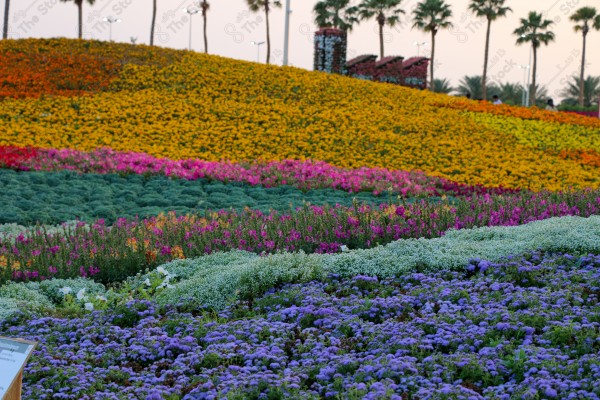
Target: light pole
pixel 528 75
pixel 257 44
pixel 525 97
pixel 419 44
pixel 286 37
pixel 191 11
pixel 110 21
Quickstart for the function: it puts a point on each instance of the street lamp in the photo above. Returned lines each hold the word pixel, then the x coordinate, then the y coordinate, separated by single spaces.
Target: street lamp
pixel 257 44
pixel 419 44
pixel 191 11
pixel 110 21
pixel 526 76
pixel 286 36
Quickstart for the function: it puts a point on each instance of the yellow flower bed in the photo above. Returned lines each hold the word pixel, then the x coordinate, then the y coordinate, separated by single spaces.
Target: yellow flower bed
pixel 221 109
pixel 541 134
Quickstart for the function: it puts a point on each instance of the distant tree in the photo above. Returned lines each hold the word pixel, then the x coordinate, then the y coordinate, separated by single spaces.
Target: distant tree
pixel 431 16
pixel 79 4
pixel 491 10
pixel 5 26
pixel 542 95
pixel 264 5
pixel 339 14
pixel 473 86
pixel 511 93
pixel 591 91
pixel 535 30
pixel 442 86
pixel 585 16
pixel 387 12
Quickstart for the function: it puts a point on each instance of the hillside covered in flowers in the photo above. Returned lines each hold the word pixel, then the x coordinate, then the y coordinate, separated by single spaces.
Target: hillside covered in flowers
pixel 130 97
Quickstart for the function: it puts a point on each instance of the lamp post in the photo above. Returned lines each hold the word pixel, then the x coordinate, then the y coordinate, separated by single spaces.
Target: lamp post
pixel 110 21
pixel 525 97
pixel 191 11
pixel 528 75
pixel 419 44
pixel 286 36
pixel 257 44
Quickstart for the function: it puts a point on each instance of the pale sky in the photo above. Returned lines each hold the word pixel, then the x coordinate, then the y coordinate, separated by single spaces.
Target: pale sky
pixel 232 28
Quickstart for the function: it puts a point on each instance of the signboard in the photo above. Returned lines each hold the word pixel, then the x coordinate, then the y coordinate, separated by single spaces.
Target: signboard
pixel 14 353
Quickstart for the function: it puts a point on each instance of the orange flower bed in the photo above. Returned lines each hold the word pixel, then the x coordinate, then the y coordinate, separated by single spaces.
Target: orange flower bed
pixel 39 67
pixel 586 157
pixel 533 113
pixel 36 74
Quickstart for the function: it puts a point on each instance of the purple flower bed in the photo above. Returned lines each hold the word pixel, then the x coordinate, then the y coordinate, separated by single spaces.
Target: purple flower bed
pixel 527 328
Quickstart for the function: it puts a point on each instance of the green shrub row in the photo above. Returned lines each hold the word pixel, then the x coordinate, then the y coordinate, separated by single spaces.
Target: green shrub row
pixel 215 280
pixel 55 197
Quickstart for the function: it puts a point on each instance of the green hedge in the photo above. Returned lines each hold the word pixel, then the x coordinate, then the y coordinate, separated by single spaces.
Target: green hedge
pixel 55 197
pixel 216 280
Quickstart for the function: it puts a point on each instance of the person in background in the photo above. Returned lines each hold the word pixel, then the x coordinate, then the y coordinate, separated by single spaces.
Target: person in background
pixel 496 99
pixel 550 105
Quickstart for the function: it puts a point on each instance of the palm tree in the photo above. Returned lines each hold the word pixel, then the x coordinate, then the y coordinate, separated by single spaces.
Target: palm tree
pixel 5 26
pixel 591 91
pixel 153 24
pixel 584 15
pixel 79 4
pixel 511 93
pixel 491 10
pixel 204 6
pixel 473 86
pixel 442 86
pixel 431 16
pixel 535 30
pixel 256 6
pixel 336 13
pixel 542 95
pixel 386 11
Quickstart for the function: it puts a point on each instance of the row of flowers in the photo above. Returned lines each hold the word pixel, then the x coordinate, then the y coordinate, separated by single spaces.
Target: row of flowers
pixel 525 328
pixel 219 109
pixel 110 253
pixel 305 175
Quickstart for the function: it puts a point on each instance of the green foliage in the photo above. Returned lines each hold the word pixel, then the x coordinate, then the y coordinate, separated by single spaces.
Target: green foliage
pixel 54 197
pixel 216 283
pixel 22 294
pixel 51 288
pixel 8 308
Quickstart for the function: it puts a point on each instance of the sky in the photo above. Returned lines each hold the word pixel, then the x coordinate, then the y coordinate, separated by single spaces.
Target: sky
pixel 232 28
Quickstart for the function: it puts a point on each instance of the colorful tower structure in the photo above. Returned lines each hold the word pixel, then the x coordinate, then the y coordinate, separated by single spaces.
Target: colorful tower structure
pixel 330 50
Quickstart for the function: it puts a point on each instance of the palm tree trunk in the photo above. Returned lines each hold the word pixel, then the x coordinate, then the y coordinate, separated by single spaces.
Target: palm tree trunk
pixel 5 26
pixel 380 41
pixel 153 24
pixel 381 22
pixel 582 74
pixel 432 60
pixel 485 60
pixel 80 18
pixel 532 97
pixel 205 37
pixel 268 36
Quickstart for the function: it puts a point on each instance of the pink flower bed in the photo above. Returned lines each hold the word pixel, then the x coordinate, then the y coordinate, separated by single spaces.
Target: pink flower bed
pixel 304 175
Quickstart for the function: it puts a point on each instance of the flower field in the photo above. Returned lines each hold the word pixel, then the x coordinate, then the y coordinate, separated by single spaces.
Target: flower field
pixel 217 109
pixel 182 226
